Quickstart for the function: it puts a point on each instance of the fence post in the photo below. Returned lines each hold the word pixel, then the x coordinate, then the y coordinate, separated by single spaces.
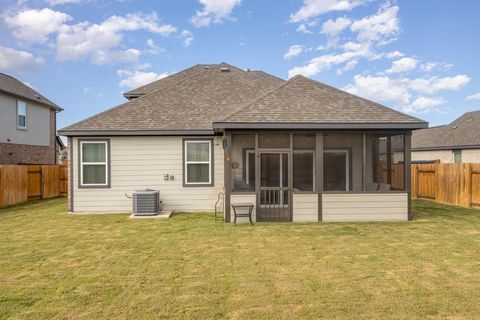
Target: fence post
pixel 468 185
pixel 42 189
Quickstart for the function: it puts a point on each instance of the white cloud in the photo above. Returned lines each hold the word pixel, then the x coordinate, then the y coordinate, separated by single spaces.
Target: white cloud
pixel 378 27
pixel 34 26
pixel 90 41
pixel 350 65
pixel 102 57
pixel 334 27
pixel 352 51
pixel 136 78
pixel 15 61
pixel 215 11
pixel 434 84
pixel 293 51
pixel 154 49
pixel 424 104
pixel 475 96
pixel 314 8
pixel 394 54
pixel 403 65
pixel 380 88
pixel 187 37
pixel 400 91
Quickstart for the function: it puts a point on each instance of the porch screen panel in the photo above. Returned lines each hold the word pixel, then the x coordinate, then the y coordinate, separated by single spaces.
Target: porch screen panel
pixel 275 141
pixel 303 162
pixel 388 165
pixel 243 163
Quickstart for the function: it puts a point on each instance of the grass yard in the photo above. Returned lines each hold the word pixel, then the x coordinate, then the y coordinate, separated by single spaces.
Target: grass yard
pixel 57 265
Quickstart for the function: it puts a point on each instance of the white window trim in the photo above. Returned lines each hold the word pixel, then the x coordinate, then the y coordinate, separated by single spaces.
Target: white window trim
pixel 312 152
pixel 347 164
pixel 82 163
pixel 209 162
pixel 18 114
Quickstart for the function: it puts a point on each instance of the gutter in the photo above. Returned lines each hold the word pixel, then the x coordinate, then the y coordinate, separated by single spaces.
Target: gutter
pixel 93 133
pixel 345 126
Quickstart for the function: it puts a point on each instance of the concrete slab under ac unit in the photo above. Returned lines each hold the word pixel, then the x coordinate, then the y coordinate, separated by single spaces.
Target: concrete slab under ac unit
pixel 161 215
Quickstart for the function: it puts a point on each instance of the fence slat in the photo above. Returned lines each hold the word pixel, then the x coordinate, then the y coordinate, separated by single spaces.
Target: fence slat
pixel 21 183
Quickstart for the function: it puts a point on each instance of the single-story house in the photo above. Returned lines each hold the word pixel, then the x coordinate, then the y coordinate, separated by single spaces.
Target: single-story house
pixel 456 142
pixel 299 150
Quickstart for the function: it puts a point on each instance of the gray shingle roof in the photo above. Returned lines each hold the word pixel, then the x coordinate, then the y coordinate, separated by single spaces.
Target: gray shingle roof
pixel 168 81
pixel 15 87
pixel 199 99
pixel 193 103
pixel 462 132
pixel 303 100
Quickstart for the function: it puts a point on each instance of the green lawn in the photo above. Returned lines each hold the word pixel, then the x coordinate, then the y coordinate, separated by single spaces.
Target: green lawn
pixel 57 265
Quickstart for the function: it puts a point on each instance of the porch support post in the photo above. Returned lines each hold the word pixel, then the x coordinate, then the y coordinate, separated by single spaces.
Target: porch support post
pixel 257 176
pixel 364 162
pixel 319 171
pixel 389 160
pixel 407 170
pixel 227 174
pixel 290 177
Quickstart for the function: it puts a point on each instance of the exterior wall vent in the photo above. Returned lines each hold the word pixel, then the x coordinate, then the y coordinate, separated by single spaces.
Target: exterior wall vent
pixel 224 69
pixel 146 202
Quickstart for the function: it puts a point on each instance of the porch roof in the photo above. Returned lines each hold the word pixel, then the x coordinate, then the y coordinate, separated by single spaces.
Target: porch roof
pixel 303 103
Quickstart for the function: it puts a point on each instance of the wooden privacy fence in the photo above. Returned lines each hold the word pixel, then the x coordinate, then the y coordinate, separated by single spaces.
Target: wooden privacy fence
pixel 450 183
pixel 21 183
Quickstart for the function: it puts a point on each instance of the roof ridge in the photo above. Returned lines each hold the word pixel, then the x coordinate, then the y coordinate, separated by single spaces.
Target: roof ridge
pixel 259 98
pixel 147 84
pixel 136 99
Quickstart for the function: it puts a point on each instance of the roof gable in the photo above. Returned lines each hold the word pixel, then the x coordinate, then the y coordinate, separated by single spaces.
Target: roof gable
pixel 302 100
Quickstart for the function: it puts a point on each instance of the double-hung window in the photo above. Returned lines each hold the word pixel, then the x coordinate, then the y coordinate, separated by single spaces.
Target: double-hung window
pixel 198 160
pixel 21 115
pixel 94 163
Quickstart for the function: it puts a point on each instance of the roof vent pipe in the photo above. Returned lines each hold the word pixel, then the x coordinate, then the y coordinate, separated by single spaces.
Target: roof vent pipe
pixel 224 69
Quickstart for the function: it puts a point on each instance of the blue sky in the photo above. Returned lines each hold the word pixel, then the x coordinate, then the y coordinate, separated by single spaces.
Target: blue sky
pixel 420 57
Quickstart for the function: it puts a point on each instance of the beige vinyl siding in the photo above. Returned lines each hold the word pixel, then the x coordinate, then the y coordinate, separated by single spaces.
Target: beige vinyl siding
pixel 445 156
pixel 244 198
pixel 305 207
pixel 365 206
pixel 142 162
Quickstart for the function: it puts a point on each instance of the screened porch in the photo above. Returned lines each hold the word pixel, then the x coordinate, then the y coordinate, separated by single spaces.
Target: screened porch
pixel 318 176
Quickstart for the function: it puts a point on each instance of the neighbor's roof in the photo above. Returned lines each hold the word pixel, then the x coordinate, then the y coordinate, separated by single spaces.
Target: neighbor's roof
pixel 199 99
pixel 304 102
pixel 191 104
pixel 463 133
pixel 11 86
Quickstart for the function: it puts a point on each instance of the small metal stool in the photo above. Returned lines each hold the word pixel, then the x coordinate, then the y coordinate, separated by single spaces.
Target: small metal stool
pixel 236 206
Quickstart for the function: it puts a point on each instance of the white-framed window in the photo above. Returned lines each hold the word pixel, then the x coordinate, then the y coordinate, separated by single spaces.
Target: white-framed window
pixel 21 114
pixel 94 163
pixel 198 162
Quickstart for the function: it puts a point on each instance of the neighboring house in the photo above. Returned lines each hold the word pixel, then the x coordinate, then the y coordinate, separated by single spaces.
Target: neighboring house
pixel 299 150
pixel 27 124
pixel 61 152
pixel 456 142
